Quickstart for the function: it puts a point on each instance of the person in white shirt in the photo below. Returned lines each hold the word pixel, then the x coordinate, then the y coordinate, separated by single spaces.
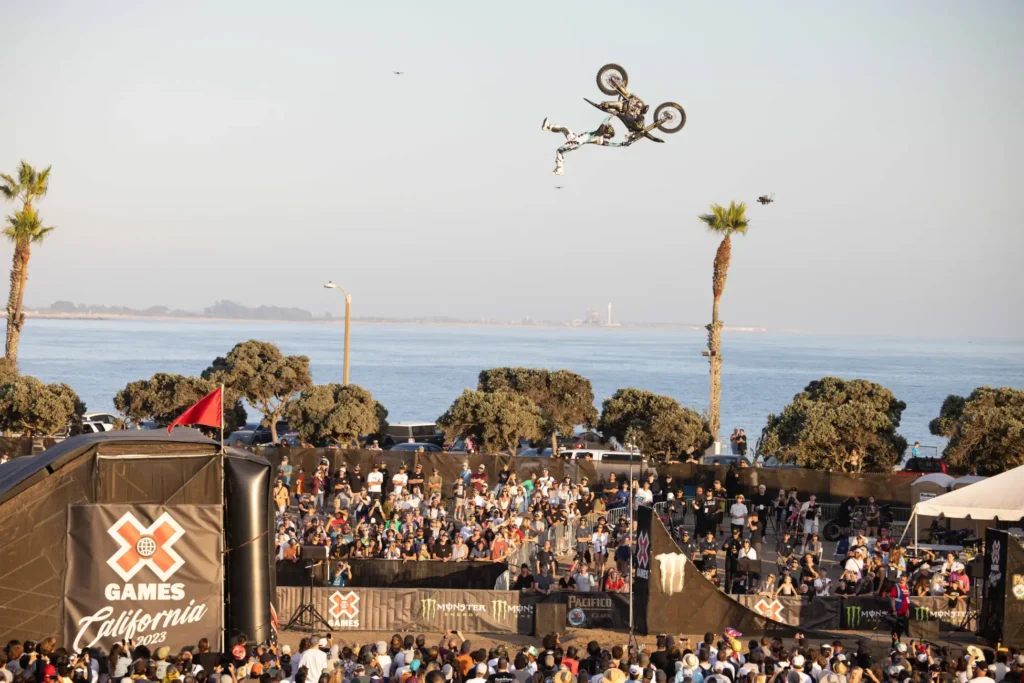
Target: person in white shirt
pixel 400 480
pixel 584 581
pixel 374 482
pixel 314 659
pixel 738 513
pixel 644 496
pixel 855 565
pixel 798 666
pixel 481 674
pixel 383 659
pixel 747 552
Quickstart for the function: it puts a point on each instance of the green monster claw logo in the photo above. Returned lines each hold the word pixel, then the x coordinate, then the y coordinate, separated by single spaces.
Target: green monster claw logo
pixel 922 613
pixel 852 616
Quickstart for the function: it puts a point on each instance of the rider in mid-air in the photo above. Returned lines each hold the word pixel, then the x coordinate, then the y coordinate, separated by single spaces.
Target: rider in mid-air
pixel 602 136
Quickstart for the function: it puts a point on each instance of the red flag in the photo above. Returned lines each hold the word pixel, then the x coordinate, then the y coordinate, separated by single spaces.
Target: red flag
pixel 208 411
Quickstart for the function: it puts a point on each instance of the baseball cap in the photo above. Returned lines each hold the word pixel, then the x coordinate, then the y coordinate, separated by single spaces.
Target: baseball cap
pixel 798 661
pixel 635 670
pixel 481 668
pixel 448 672
pixel 322 642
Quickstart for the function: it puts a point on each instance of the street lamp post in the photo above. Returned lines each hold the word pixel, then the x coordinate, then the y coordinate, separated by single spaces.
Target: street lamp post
pixel 348 325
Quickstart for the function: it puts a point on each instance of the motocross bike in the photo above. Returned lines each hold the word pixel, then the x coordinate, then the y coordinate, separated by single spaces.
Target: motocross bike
pixel 612 80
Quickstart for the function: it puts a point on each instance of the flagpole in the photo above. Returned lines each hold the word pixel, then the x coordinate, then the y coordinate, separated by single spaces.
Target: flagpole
pixel 222 417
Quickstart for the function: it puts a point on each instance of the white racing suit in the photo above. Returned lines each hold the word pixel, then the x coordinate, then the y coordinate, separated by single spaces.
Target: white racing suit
pixel 575 141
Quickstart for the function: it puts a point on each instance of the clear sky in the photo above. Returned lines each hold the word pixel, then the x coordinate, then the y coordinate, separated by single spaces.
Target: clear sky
pixel 251 150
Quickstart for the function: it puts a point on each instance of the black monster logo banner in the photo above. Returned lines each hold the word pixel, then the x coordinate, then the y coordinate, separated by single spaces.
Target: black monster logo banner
pixel 150 573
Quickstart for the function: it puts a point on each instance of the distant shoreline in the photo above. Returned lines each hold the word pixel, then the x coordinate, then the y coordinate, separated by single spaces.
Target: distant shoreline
pixel 47 315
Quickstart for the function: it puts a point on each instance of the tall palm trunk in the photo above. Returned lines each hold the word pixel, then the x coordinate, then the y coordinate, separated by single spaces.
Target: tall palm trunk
pixel 15 314
pixel 715 334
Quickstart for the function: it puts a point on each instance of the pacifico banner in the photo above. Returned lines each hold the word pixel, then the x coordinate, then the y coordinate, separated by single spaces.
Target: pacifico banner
pixel 149 573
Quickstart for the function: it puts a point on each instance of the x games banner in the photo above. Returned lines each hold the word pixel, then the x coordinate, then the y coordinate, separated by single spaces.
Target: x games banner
pixel 149 573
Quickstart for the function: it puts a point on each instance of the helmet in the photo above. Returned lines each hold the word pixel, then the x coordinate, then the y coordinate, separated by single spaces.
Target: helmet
pixel 609 131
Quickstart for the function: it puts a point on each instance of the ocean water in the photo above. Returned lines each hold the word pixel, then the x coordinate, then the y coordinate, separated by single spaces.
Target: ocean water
pixel 416 371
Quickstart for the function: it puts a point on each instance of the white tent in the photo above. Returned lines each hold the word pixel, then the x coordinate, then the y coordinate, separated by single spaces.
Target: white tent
pixel 1001 496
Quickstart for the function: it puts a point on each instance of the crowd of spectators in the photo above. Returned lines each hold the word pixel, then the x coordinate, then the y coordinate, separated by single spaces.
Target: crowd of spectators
pixel 405 658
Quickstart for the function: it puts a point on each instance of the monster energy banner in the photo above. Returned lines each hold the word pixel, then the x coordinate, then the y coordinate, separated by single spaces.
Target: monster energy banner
pixel 149 573
pixel 859 613
pixel 401 609
pixel 642 569
pixel 868 613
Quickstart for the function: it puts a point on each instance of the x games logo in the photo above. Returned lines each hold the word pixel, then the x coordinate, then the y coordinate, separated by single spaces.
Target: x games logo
pixel 141 546
pixel 643 550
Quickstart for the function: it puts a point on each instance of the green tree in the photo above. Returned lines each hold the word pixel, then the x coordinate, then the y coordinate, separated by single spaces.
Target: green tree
pixel 8 370
pixel 33 408
pixel 723 222
pixel 829 419
pixel 329 413
pixel 264 376
pixel 985 430
pixel 495 419
pixel 654 423
pixel 565 399
pixel 24 228
pixel 164 396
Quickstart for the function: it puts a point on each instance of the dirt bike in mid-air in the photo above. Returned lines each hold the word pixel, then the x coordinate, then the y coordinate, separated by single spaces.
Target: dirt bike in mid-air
pixel 612 80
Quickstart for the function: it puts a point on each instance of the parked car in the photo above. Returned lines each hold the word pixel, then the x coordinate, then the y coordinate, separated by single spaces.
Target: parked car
pixel 245 436
pixel 427 447
pixel 419 432
pixel 775 462
pixel 724 460
pixel 601 455
pixel 924 466
pixel 105 421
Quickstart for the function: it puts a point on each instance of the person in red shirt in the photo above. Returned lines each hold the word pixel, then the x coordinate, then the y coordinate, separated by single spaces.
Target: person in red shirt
pixel 479 479
pixel 899 606
pixel 614 582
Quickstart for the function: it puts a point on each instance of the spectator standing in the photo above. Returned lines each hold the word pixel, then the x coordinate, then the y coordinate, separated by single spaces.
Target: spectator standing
pixel 738 514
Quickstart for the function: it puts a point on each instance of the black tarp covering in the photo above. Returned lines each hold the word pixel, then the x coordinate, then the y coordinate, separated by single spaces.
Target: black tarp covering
pixel 137 467
pixel 377 573
pixel 248 557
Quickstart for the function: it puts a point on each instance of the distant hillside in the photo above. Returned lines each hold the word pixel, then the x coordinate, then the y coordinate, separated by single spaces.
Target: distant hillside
pixel 220 309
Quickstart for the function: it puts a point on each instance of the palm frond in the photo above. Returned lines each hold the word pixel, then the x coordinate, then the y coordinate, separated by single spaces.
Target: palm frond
pixel 726 220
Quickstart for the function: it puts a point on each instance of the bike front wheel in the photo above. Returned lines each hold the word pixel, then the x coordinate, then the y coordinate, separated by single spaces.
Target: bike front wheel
pixel 670 117
pixel 831 532
pixel 609 76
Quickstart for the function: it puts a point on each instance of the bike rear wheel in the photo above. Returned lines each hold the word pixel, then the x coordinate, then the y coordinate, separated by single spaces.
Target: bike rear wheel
pixel 831 532
pixel 610 74
pixel 674 117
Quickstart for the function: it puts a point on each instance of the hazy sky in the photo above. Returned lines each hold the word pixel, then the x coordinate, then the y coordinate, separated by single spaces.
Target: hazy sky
pixel 251 150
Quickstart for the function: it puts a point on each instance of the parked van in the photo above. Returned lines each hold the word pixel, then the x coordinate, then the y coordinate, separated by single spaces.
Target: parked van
pixel 419 432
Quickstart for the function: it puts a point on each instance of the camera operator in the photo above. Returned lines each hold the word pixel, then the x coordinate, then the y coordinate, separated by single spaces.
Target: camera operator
pixel 342 574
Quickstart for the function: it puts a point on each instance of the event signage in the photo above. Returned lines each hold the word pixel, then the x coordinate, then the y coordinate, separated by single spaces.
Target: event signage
pixel 343 610
pixel 591 610
pixel 148 573
pixel 642 568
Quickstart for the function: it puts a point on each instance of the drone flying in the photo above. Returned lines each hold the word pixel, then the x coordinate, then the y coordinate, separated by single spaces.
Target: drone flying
pixel 398 73
pixel 630 110
pixel 765 199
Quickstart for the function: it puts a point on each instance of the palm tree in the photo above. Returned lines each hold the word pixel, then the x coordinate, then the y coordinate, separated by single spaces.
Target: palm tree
pixel 23 228
pixel 721 221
